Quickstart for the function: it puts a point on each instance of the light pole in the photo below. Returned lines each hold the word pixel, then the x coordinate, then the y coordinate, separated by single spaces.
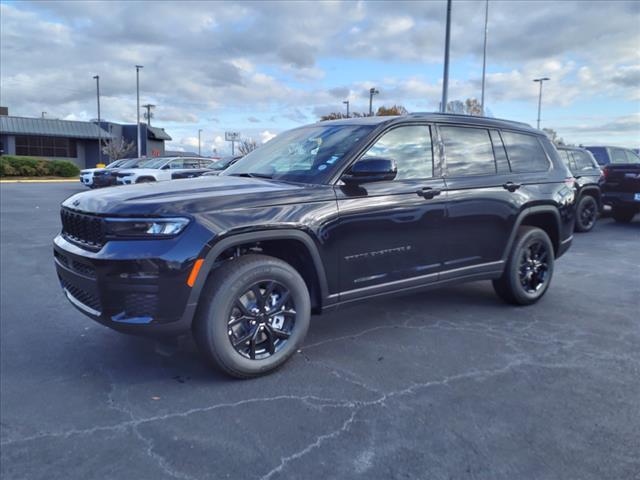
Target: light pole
pixel 43 114
pixel 346 102
pixel 372 92
pixel 484 54
pixel 540 80
pixel 199 132
pixel 138 67
pixel 97 79
pixel 445 75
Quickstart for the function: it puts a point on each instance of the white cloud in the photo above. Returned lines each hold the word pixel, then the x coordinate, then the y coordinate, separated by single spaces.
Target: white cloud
pixel 266 136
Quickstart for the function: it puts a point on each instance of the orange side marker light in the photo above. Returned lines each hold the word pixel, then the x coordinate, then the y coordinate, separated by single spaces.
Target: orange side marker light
pixel 194 272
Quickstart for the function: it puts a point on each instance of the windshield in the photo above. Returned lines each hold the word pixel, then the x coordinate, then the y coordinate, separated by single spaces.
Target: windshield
pixel 223 163
pixel 308 154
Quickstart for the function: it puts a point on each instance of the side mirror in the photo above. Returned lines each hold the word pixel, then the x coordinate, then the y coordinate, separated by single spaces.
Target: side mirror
pixel 369 170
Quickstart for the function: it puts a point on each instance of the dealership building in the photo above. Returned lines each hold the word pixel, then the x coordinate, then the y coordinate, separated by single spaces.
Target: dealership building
pixel 72 140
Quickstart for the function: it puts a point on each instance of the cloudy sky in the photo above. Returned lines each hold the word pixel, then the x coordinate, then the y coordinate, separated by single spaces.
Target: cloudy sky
pixel 260 68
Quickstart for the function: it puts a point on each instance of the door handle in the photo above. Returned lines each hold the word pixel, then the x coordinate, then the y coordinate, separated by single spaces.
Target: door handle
pixel 428 192
pixel 512 187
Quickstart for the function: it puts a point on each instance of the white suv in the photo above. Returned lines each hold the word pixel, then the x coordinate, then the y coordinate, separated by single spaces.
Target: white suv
pixel 164 168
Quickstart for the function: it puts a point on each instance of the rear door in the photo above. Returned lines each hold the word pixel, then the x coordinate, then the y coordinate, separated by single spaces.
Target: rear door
pixel 482 200
pixel 391 231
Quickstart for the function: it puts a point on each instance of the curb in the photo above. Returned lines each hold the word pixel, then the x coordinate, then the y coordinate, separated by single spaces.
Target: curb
pixel 42 181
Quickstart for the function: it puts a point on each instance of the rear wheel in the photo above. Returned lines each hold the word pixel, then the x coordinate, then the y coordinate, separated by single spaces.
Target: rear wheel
pixel 254 314
pixel 529 268
pixel 586 214
pixel 623 215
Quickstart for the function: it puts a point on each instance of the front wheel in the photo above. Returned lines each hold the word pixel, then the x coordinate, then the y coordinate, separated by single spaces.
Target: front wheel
pixel 529 268
pixel 254 314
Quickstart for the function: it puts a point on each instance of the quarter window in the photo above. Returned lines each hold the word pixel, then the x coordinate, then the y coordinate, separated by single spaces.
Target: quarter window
pixel 525 153
pixel 468 151
pixel 410 147
pixel 632 157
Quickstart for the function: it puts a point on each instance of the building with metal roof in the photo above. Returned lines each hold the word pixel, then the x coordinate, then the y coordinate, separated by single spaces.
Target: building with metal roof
pixel 73 140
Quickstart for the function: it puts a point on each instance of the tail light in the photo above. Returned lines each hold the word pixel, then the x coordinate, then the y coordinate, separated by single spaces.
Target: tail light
pixel 605 172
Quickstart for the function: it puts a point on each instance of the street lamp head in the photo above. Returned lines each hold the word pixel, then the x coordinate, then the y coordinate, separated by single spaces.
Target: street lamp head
pixel 373 91
pixel 542 79
pixel 95 77
pixel 138 67
pixel 346 102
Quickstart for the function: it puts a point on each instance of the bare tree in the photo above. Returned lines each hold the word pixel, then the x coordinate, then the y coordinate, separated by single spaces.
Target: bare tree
pixel 118 148
pixel 247 145
pixel 389 111
pixel 553 136
pixel 339 115
pixel 471 106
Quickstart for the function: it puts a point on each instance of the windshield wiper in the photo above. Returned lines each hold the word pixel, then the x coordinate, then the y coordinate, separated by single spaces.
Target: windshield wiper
pixel 251 175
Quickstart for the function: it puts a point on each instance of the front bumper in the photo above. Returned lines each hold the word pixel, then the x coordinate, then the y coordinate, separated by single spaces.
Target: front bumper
pixel 137 287
pixel 86 180
pixel 125 180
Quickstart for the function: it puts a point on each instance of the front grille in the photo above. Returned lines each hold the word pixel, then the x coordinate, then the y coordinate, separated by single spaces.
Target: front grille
pixel 85 229
pixel 82 296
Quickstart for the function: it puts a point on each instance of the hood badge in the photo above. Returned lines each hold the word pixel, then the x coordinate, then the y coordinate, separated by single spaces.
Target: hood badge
pixel 76 203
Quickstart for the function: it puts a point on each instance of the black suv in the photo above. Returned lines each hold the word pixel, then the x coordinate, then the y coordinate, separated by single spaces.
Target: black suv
pixel 321 216
pixel 589 179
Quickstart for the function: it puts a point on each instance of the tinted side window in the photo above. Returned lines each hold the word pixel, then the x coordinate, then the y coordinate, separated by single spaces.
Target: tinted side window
pixel 600 153
pixel 583 160
pixel 525 153
pixel 191 163
pixel 632 157
pixel 468 151
pixel 566 158
pixel 178 163
pixel 410 147
pixel 617 155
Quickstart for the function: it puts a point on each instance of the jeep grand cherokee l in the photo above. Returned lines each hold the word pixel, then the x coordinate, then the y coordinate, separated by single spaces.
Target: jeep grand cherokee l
pixel 589 179
pixel 321 216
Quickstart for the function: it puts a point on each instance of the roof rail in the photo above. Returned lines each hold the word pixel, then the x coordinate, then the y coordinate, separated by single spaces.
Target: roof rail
pixel 467 115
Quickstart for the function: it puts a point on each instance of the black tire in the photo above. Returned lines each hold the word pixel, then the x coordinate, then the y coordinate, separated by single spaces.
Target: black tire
pixel 214 322
pixel 510 286
pixel 145 180
pixel 586 214
pixel 623 215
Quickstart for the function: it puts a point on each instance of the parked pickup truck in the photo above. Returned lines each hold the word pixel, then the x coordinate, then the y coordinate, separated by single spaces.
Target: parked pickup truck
pixel 621 188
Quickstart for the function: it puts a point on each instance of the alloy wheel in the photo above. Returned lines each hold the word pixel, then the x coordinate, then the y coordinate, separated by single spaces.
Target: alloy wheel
pixel 261 320
pixel 534 267
pixel 588 215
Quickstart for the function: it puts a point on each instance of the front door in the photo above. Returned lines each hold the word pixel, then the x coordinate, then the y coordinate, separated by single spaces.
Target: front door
pixel 389 231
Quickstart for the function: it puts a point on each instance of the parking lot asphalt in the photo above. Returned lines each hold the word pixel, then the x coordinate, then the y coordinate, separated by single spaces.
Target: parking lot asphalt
pixel 445 384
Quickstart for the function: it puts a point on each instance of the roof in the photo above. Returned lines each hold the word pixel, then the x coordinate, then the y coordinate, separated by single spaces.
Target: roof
pixel 176 153
pixel 51 127
pixel 436 117
pixel 155 133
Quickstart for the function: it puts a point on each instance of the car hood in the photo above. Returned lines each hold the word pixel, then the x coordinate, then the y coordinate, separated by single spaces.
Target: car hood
pixel 90 170
pixel 195 195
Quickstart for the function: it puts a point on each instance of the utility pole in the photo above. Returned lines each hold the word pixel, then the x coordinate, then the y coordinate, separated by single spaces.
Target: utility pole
pixel 445 76
pixel 138 67
pixel 484 54
pixel 346 102
pixel 540 80
pixel 372 92
pixel 199 150
pixel 97 78
pixel 148 116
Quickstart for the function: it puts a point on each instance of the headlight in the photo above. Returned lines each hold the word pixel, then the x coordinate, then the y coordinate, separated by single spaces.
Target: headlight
pixel 145 227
